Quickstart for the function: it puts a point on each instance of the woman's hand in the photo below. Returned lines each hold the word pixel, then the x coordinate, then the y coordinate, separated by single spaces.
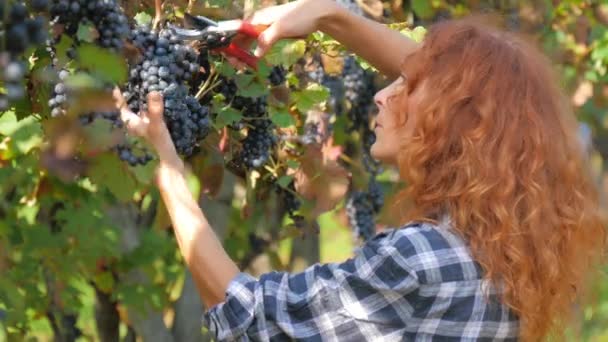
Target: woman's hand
pixel 149 125
pixel 292 20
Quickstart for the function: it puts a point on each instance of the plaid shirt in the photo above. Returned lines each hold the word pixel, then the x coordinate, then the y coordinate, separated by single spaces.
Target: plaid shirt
pixel 416 283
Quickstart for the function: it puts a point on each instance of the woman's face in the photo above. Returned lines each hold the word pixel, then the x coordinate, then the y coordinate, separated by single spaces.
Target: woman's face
pixel 389 135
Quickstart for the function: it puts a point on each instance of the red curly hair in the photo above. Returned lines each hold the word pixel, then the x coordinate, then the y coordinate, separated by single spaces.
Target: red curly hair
pixel 495 146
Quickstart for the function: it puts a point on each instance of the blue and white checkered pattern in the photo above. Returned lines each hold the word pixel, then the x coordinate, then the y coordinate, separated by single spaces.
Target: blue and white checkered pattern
pixel 416 283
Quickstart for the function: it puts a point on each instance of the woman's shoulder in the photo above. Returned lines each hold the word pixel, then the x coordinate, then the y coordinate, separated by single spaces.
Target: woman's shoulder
pixel 434 251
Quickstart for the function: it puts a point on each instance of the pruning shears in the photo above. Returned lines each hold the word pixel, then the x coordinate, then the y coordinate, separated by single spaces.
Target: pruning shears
pixel 217 36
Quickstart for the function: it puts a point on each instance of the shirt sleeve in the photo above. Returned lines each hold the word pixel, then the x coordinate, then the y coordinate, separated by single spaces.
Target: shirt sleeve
pixel 311 303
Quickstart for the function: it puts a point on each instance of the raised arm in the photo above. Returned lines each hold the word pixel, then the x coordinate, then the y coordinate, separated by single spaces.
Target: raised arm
pixel 379 45
pixel 211 267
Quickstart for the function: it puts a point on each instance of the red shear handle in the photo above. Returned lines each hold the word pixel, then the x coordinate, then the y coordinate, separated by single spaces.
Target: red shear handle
pixel 251 30
pixel 242 55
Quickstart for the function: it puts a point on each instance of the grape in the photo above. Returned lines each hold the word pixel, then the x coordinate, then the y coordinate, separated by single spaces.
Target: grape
pixel 105 15
pixel 58 100
pixel 168 65
pixel 288 197
pixel 277 75
pixel 257 145
pixel 311 134
pixel 359 93
pixel 361 215
pixel 376 195
pixel 14 72
pixel 125 153
pixel 260 139
pixel 21 30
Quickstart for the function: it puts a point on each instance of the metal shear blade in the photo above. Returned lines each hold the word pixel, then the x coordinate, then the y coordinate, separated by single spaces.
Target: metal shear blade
pixel 198 21
pixel 188 34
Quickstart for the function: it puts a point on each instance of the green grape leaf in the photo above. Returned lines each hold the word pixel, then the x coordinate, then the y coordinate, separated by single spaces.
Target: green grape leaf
pixel 294 164
pixel 104 64
pixel 284 181
pixel 145 173
pixel 105 281
pixel 143 19
pixel 286 52
pixel 108 171
pixel 224 68
pixel 282 119
pixel 86 33
pixel 82 80
pixel 423 8
pixel 61 48
pixel 306 99
pixel 227 115
pixel 253 89
pixel 263 70
pixel 101 134
pixel 243 80
pixel 25 134
pixel 417 34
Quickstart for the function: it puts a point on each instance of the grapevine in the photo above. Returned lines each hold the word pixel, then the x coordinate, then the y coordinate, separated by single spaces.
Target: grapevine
pixel 21 30
pixel 105 16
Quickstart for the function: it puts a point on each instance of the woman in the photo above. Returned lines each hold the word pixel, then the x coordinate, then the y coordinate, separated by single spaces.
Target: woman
pixel 500 218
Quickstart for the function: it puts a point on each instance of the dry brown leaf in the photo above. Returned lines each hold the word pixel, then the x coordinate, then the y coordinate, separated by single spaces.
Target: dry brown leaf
pixel 209 169
pixel 321 178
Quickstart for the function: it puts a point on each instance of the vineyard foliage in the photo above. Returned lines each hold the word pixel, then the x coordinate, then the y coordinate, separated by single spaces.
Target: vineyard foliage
pixel 86 247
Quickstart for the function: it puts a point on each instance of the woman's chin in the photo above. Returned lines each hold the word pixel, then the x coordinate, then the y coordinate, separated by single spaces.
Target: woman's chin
pixel 376 152
pixel 380 155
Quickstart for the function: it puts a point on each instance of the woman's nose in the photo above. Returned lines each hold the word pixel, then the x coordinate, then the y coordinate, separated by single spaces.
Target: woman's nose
pixel 380 98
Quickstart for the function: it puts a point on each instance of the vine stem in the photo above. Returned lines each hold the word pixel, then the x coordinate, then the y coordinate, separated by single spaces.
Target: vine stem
pixel 190 5
pixel 158 17
pixel 210 84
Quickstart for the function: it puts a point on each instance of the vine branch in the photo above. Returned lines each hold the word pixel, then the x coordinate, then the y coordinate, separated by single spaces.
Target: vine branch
pixel 158 17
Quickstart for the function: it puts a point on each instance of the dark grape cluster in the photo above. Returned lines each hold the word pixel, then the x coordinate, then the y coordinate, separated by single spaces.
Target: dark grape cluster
pixel 277 75
pixel 376 195
pixel 311 133
pixel 167 66
pixel 127 154
pixel 362 206
pixel 58 99
pixel 359 93
pixel 166 61
pixel 360 213
pixel 105 15
pixel 188 121
pixel 257 146
pixel 20 30
pixel 290 201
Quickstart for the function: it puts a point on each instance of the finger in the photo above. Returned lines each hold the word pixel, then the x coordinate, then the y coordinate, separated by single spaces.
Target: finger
pixel 133 122
pixel 119 100
pixel 266 39
pixel 155 106
pixel 261 17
